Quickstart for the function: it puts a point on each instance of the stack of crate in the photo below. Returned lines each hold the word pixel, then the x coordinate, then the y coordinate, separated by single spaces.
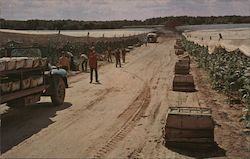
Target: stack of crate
pixel 183 80
pixel 179 50
pixel 10 71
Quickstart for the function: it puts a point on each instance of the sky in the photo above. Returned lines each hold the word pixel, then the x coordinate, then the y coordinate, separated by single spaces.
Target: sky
pixel 89 10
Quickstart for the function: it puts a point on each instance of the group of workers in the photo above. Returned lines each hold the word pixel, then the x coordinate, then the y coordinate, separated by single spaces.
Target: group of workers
pixel 91 59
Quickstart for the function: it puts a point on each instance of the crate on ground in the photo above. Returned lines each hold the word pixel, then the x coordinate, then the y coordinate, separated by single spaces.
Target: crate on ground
pixel 179 52
pixel 183 83
pixel 182 68
pixel 189 126
pixel 184 58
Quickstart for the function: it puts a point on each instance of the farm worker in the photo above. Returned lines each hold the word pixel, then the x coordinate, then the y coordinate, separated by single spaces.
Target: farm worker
pixel 64 62
pixel 71 58
pixel 109 54
pixel 146 41
pixel 93 64
pixel 117 58
pixel 220 36
pixel 123 55
pixel 84 62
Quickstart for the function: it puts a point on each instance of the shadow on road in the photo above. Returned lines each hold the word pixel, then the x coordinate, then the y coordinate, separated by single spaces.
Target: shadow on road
pixel 199 152
pixel 18 125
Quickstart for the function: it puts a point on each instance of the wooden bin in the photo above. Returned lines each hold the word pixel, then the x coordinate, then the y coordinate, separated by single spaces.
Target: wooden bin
pixel 28 63
pixel 179 52
pixel 16 85
pixel 20 62
pixel 189 125
pixel 183 83
pixel 36 81
pixel 182 68
pixel 26 83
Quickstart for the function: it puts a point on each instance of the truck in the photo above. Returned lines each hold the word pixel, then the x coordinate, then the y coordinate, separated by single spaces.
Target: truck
pixel 26 76
pixel 152 37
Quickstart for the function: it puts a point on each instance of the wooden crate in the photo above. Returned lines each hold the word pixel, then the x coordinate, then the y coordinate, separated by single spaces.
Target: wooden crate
pixel 36 81
pixel 179 52
pixel 189 125
pixel 182 68
pixel 20 62
pixel 183 83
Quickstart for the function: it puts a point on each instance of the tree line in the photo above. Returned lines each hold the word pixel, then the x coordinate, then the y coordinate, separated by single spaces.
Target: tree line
pixel 170 21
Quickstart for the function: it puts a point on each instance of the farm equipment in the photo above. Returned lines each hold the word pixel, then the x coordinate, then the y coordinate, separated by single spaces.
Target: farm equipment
pixel 189 127
pixel 26 76
pixel 183 83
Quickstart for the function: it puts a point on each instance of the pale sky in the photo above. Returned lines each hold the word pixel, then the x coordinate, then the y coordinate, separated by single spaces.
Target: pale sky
pixel 118 9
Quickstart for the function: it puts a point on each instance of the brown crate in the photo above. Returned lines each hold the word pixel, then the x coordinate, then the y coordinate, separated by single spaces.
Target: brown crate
pixel 36 81
pixel 11 64
pixel 184 83
pixel 5 87
pixel 16 85
pixel 182 68
pixel 43 62
pixel 20 62
pixel 28 63
pixel 189 124
pixel 36 62
pixel 179 52
pixel 26 83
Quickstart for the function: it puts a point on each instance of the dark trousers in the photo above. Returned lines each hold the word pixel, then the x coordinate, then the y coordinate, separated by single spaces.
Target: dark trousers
pixel 123 58
pixel 109 58
pixel 84 66
pixel 91 74
pixel 118 62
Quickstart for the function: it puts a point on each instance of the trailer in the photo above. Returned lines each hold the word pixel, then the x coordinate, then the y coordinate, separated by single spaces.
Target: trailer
pixel 25 77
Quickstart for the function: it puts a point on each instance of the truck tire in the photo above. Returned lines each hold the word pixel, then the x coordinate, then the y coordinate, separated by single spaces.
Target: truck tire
pixel 58 92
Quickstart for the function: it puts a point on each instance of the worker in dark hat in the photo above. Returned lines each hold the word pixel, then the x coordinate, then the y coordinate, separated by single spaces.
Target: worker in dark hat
pixel 93 65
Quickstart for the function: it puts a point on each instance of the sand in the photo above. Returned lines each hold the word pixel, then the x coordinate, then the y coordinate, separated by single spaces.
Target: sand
pixel 233 39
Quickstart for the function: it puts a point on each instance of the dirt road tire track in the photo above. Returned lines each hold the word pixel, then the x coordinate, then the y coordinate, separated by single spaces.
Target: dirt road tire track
pixel 133 113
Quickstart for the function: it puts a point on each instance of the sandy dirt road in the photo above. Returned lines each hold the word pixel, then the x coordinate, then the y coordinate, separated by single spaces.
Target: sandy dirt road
pixel 123 117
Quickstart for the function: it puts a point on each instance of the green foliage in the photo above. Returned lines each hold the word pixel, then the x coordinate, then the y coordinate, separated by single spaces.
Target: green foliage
pixel 229 72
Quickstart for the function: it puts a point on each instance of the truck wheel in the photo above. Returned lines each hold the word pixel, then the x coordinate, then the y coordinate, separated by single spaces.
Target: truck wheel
pixel 59 92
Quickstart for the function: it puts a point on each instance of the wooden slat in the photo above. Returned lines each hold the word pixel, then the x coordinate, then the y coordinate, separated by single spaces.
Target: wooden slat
pixel 22 93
